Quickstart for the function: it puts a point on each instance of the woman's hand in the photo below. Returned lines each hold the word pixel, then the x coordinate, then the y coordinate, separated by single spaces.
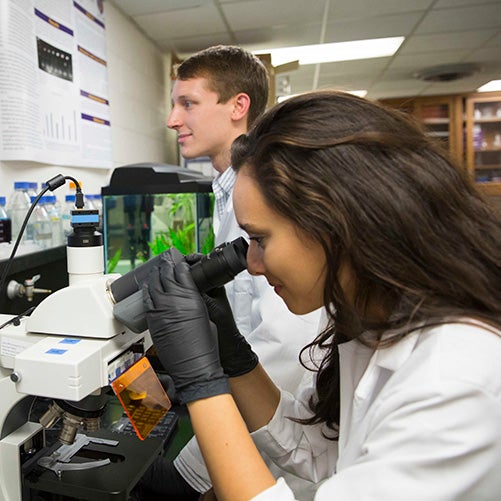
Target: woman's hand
pixel 236 355
pixel 187 347
pixel 179 326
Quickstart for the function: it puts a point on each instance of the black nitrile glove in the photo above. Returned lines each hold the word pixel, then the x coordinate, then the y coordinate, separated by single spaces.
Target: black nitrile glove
pixel 180 329
pixel 235 353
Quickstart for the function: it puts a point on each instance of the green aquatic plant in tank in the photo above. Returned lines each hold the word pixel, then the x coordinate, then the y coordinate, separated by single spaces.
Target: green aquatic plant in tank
pixel 149 207
pixel 181 233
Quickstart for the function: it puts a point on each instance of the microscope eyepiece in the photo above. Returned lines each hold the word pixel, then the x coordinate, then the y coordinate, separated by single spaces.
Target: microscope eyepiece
pixel 221 265
pixel 217 268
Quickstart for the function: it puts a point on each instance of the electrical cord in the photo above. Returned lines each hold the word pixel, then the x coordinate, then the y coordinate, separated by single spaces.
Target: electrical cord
pixel 17 320
pixel 51 185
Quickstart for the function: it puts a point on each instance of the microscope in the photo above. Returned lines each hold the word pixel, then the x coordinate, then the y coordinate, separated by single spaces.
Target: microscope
pixel 74 345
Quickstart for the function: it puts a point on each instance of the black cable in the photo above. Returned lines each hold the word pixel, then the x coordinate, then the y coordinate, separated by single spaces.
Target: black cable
pixel 5 271
pixel 15 320
pixel 51 185
pixel 30 410
pixel 79 197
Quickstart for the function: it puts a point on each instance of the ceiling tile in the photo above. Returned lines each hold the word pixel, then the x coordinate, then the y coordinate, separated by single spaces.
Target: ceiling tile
pixel 495 41
pixel 278 36
pixel 440 4
pixel 183 47
pixel 428 59
pixel 137 8
pixel 438 32
pixel 449 41
pixel 396 88
pixel 359 67
pixel 197 21
pixel 262 13
pixel 481 16
pixel 359 8
pixel 372 27
pixel 490 56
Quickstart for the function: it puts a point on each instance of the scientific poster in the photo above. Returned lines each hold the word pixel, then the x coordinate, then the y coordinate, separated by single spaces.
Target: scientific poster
pixel 54 104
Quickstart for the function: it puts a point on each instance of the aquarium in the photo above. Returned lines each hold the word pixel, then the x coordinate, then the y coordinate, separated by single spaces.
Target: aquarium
pixel 148 208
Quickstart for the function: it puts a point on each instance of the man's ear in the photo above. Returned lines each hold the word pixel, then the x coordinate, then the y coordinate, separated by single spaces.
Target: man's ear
pixel 241 104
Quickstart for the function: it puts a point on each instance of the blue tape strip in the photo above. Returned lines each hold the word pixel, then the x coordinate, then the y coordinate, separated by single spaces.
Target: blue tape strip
pixel 85 218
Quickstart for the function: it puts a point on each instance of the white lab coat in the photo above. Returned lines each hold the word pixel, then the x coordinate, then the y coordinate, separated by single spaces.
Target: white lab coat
pixel 419 420
pixel 275 334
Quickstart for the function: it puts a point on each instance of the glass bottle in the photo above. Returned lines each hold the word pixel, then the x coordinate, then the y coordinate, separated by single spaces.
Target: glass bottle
pixel 5 223
pixel 17 208
pixel 54 212
pixel 69 205
pixel 41 224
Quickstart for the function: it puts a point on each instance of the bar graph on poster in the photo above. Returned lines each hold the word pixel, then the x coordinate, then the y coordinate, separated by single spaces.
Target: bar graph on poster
pixel 54 104
pixel 61 127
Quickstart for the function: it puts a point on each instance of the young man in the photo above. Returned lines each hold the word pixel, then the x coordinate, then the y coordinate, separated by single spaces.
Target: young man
pixel 217 95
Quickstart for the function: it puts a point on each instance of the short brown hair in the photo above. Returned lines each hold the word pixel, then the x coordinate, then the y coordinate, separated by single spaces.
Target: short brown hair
pixel 229 70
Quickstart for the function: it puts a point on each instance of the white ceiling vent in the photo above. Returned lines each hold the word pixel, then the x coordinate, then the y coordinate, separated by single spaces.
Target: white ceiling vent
pixel 447 73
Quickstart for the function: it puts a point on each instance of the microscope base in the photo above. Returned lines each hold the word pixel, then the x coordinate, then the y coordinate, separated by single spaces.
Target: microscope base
pixel 114 481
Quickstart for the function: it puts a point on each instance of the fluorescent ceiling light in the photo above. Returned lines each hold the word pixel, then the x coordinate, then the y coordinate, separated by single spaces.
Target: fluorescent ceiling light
pixel 281 99
pixel 359 93
pixel 332 52
pixel 490 86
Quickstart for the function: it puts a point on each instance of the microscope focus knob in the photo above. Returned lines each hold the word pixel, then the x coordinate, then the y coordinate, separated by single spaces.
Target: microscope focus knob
pixel 15 377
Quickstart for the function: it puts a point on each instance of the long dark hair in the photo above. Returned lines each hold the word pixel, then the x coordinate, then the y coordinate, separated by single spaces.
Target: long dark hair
pixel 367 184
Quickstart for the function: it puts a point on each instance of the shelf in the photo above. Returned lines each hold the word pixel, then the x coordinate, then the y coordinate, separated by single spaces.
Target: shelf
pixel 483 133
pixel 436 121
pixel 487 167
pixel 437 133
pixel 451 120
pixel 489 120
pixel 489 188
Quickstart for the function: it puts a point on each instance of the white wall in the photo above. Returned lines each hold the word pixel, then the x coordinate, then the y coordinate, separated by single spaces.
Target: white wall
pixel 139 89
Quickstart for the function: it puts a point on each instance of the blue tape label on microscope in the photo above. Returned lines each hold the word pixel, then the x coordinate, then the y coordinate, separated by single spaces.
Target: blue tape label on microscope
pixel 85 218
pixel 69 341
pixel 54 351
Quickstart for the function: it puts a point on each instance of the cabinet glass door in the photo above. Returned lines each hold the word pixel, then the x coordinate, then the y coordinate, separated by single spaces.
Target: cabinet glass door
pixel 484 139
pixel 441 117
pixel 435 117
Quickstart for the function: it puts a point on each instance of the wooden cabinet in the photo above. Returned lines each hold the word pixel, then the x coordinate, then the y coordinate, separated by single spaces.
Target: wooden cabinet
pixel 442 117
pixel 483 140
pixel 470 127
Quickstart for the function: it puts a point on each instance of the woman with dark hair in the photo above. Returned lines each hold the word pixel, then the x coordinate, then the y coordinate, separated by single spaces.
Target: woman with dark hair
pixel 349 205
